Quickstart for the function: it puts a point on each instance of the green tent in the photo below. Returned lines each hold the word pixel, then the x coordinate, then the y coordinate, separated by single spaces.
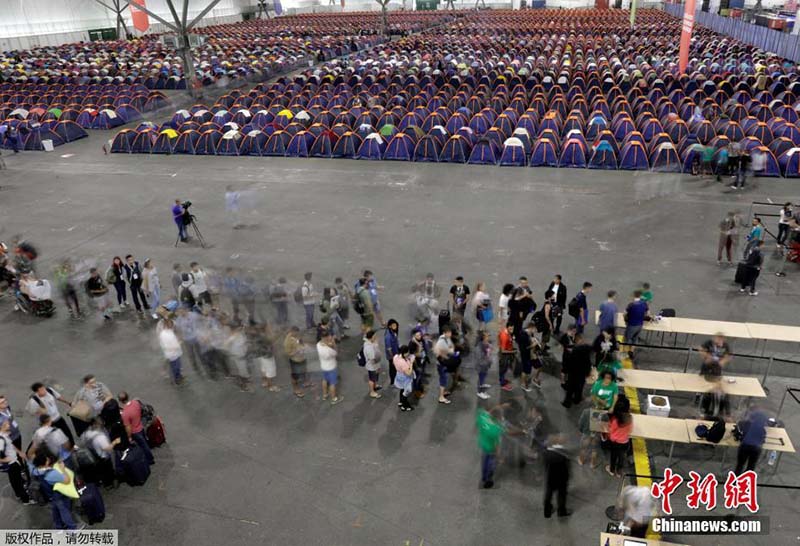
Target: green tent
pixel 56 112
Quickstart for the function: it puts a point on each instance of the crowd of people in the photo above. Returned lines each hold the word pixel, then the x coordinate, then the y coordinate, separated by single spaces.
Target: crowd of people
pixel 101 440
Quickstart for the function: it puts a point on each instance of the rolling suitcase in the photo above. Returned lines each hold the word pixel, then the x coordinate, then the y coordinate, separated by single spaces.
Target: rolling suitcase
pixel 742 274
pixel 155 433
pixel 92 503
pixel 134 466
pixel 444 318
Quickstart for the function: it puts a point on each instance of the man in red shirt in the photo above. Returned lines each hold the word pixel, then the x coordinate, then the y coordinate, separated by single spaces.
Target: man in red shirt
pixel 132 419
pixel 506 361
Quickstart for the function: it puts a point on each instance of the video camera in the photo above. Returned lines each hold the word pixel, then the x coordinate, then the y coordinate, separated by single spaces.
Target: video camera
pixel 188 217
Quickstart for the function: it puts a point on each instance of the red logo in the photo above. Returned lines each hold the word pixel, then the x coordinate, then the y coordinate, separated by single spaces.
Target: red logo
pixel 739 491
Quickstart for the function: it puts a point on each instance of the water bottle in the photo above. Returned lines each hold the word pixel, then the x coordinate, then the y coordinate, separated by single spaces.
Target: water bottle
pixel 773 456
pixel 608 542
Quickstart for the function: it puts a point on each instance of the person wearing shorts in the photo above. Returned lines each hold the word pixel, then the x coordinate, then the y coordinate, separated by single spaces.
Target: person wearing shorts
pixel 262 349
pixel 326 349
pixel 295 349
pixel 446 357
pixel 372 355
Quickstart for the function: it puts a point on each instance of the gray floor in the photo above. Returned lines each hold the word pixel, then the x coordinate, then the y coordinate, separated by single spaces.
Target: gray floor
pixel 272 469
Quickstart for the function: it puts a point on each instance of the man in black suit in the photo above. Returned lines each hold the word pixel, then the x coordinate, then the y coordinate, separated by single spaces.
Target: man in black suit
pixel 559 291
pixel 133 274
pixel 556 463
pixel 576 369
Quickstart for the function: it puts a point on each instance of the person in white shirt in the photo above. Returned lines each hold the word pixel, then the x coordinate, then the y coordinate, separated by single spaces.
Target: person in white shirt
pixel 236 347
pixel 309 300
pixel 201 283
pixel 326 349
pixel 372 354
pixel 51 438
pixel 783 224
pixel 483 305
pixel 151 285
pixel 96 440
pixel 502 304
pixel 10 463
pixel 171 347
pixel 44 401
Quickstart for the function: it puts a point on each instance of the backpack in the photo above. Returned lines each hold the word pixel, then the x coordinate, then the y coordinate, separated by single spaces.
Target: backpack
pixel 298 295
pixel 361 358
pixel 539 320
pixel 111 276
pixel 358 305
pixel 36 491
pixel 148 413
pixel 574 308
pixel 716 431
pixel 187 298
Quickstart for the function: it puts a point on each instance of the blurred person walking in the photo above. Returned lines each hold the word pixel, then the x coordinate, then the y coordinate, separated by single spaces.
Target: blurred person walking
pixel 308 297
pixel 556 463
pixel 279 297
pixel 262 350
pixel 295 350
pixel 151 285
pixel 484 357
pixel 171 348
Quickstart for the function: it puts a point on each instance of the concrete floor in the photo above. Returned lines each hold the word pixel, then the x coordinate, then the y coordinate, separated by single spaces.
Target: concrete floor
pixel 271 469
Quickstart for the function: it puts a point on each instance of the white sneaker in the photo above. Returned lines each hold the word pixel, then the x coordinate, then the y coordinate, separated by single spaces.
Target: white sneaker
pixel 486 386
pixel 742 290
pixel 483 396
pixel 525 388
pixel 754 293
pixel 154 316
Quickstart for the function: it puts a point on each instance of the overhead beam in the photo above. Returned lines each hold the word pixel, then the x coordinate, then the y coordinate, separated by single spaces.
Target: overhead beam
pixel 185 12
pixel 203 13
pixel 158 18
pixel 174 14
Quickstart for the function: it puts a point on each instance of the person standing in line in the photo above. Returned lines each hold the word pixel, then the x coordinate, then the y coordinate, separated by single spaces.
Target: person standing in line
pixel 459 296
pixel 556 463
pixel 605 391
pixel 419 350
pixel 177 279
pixel 447 358
pixel 722 162
pixel 89 399
pixel 391 346
pixel 279 296
pixel 345 296
pixel 372 355
pixel 171 348
pixel 373 287
pixel 503 313
pixel 559 290
pixel 753 262
pixel 98 442
pixel 132 419
pixel 151 285
pixel 309 298
pixel 525 341
pixel 728 233
pixel 403 362
pixel 754 432
pixel 50 438
pixel 187 325
pixel 583 307
pixel 483 306
pixel 200 284
pixel 231 287
pixel 524 304
pixel 326 350
pixel 295 350
pixel 363 306
pixel 490 432
pixel 115 276
pixel 50 472
pixel 177 217
pixel 485 355
pixel 44 401
pixel 755 234
pixel 11 461
pixel 236 347
pixel 783 224
pixel 64 281
pixel 330 306
pixel 620 425
pixel 505 344
pixel 133 274
pixel 543 321
pixel 7 416
pixel 262 349
pixel 605 349
pixel 98 293
pixel 589 440
pixel 608 312
pixel 578 367
pixel 635 315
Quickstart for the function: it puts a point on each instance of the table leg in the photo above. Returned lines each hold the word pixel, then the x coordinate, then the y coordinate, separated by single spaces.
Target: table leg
pixel 669 459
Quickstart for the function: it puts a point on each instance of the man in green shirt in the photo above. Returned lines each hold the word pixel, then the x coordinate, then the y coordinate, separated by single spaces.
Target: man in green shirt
pixel 605 391
pixel 490 432
pixel 708 158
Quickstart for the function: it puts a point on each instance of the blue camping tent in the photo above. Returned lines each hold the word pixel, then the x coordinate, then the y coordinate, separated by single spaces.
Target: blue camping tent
pixel 123 141
pixel 372 148
pixel 34 139
pixel 69 131
pixel 253 143
pixel 229 143
pixel 427 149
pixel 165 142
pixel 573 154
pixel 789 162
pixel 665 159
pixel 143 143
pixel 400 148
pixel 771 166
pixel 603 157
pixel 187 142
pixel 633 156
pixel 276 144
pixel 544 153
pixel 483 153
pixel 455 150
pixel 347 145
pixel 324 144
pixel 207 145
pixel 300 144
pixel 514 154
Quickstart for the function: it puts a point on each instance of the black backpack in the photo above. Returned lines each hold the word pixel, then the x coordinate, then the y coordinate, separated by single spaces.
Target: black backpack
pixel 361 358
pixel 574 308
pixel 39 400
pixel 148 413
pixel 298 295
pixel 187 298
pixel 716 431
pixel 358 305
pixel 539 320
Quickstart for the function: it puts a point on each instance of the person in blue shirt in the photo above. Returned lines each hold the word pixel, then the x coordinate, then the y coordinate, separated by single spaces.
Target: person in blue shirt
pixel 177 217
pixel 634 317
pixel 392 346
pixel 754 431
pixel 583 305
pixel 608 312
pixel 49 473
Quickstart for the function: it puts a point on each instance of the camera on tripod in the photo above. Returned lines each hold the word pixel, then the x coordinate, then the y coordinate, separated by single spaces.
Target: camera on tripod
pixel 188 217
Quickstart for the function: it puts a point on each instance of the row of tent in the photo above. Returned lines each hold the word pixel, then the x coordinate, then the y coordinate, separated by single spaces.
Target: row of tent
pixel 32 136
pixel 462 147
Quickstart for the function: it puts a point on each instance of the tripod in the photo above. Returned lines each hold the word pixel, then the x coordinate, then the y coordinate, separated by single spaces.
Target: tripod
pixel 197 233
